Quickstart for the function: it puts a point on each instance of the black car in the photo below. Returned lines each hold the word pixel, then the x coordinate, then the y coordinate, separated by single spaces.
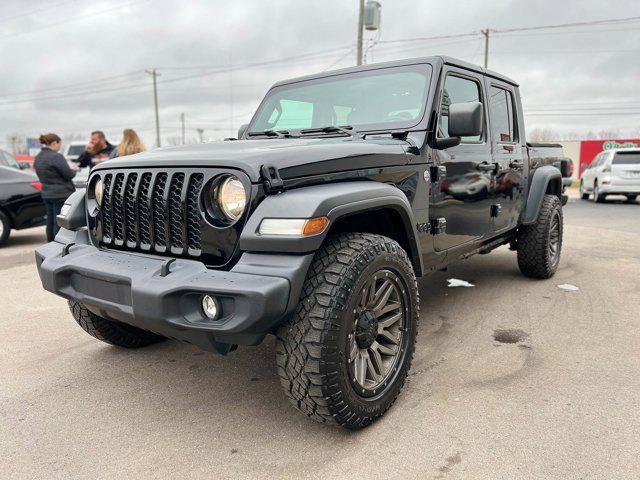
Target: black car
pixel 21 204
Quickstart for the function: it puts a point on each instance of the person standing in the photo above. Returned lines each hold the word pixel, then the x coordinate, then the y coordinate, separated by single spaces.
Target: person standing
pixel 98 149
pixel 130 145
pixel 55 175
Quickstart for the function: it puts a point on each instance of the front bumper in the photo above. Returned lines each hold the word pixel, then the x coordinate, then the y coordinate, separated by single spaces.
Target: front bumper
pixel 255 296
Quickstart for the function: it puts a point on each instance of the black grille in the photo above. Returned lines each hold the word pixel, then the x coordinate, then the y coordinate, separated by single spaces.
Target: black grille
pixel 157 211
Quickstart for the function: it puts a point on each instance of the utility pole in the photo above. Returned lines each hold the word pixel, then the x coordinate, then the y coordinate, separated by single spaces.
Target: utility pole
pixel 360 28
pixel 154 75
pixel 200 134
pixel 486 47
pixel 182 121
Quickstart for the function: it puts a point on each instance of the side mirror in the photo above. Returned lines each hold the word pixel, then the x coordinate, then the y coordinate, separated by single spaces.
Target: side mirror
pixel 242 130
pixel 444 143
pixel 585 166
pixel 465 119
pixel 24 165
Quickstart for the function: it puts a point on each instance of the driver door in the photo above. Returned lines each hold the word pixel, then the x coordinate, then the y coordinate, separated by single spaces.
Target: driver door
pixel 463 196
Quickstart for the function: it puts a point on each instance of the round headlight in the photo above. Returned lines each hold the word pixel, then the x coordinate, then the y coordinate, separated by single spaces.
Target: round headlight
pixel 232 199
pixel 97 191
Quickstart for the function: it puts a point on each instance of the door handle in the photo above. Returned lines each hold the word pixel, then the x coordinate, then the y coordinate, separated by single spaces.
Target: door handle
pixel 516 164
pixel 487 167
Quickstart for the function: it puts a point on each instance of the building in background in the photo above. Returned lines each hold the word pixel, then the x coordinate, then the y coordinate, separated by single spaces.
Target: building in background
pixel 583 152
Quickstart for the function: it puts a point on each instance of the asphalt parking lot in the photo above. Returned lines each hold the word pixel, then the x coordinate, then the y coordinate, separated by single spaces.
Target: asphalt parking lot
pixel 560 403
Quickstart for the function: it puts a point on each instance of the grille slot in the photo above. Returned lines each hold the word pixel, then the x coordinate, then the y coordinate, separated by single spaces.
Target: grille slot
pixel 176 213
pixel 160 212
pixel 117 208
pixel 152 211
pixel 193 213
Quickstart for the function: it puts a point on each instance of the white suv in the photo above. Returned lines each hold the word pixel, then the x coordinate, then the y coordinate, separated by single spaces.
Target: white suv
pixel 614 172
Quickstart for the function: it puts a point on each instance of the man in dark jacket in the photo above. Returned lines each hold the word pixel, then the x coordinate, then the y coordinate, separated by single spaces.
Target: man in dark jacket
pixel 98 150
pixel 55 176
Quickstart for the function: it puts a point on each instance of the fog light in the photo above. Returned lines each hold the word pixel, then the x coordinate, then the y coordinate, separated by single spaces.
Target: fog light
pixel 210 307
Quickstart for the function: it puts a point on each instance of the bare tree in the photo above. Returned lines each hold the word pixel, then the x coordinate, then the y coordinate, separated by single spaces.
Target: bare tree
pixel 544 135
pixel 17 143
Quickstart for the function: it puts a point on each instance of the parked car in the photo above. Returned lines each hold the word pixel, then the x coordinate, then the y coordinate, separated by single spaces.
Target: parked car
pixel 313 226
pixel 613 172
pixel 21 205
pixel 72 151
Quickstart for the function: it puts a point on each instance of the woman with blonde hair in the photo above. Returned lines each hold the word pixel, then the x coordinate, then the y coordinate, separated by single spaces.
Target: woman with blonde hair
pixel 130 145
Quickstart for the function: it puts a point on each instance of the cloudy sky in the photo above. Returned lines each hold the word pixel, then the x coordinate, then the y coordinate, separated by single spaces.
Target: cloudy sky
pixel 77 65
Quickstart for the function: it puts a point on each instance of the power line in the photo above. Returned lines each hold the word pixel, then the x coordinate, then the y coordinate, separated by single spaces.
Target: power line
pixel 33 12
pixel 73 19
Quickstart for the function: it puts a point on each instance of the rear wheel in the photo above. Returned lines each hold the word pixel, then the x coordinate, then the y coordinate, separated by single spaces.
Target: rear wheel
pixel 631 198
pixel 583 195
pixel 540 244
pixel 5 227
pixel 597 196
pixel 109 331
pixel 345 355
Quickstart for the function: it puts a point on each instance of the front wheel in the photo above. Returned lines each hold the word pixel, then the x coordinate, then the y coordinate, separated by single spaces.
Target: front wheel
pixel 344 357
pixel 631 198
pixel 5 227
pixel 109 331
pixel 583 195
pixel 540 244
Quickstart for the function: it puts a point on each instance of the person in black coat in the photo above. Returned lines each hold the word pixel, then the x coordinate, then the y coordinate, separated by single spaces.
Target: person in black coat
pixel 55 175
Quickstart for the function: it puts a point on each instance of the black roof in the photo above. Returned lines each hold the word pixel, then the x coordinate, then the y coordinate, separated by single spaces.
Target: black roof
pixel 434 60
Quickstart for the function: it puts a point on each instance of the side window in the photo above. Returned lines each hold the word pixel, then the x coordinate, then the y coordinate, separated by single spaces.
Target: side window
pixel 595 161
pixel 501 115
pixel 457 90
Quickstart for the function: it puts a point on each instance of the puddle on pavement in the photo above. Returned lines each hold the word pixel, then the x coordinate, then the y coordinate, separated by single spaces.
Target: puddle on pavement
pixel 510 335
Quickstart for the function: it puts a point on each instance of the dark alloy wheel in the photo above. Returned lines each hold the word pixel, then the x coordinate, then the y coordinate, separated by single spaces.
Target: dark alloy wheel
pixel 345 355
pixel 377 341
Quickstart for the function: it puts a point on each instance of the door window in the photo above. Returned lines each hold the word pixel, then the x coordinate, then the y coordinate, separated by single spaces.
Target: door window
pixel 501 114
pixel 457 90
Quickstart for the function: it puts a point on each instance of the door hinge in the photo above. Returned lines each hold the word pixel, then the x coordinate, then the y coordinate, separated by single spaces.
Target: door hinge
pixel 271 179
pixel 438 225
pixel 496 209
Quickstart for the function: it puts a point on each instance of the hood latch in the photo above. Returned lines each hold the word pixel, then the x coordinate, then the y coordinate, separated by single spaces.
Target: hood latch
pixel 271 179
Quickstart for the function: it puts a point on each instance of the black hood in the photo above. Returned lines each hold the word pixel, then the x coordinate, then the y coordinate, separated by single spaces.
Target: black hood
pixel 295 157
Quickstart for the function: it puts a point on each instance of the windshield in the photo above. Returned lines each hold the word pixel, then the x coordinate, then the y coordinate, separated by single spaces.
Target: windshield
pixel 387 98
pixel 631 158
pixel 75 150
pixel 10 159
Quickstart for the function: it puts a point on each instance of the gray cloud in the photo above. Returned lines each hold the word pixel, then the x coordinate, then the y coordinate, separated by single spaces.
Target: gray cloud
pixel 82 41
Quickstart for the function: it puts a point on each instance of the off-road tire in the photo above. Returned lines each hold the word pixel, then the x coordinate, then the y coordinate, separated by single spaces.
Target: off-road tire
pixel 109 331
pixel 583 195
pixel 533 241
pixel 5 228
pixel 311 348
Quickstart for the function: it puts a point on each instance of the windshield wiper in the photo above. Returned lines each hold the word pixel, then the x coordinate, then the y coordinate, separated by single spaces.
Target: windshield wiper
pixel 270 133
pixel 348 129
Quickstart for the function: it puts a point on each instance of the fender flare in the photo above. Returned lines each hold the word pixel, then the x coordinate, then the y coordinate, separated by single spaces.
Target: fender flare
pixel 542 177
pixel 335 201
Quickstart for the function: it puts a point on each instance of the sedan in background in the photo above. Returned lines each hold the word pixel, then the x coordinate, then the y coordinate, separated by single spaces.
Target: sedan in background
pixel 21 204
pixel 614 172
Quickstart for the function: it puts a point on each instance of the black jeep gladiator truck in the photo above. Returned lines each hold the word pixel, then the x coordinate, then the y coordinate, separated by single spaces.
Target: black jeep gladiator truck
pixel 312 226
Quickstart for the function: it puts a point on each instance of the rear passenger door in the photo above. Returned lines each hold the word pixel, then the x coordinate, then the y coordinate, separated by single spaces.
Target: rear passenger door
pixel 508 153
pixel 462 201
